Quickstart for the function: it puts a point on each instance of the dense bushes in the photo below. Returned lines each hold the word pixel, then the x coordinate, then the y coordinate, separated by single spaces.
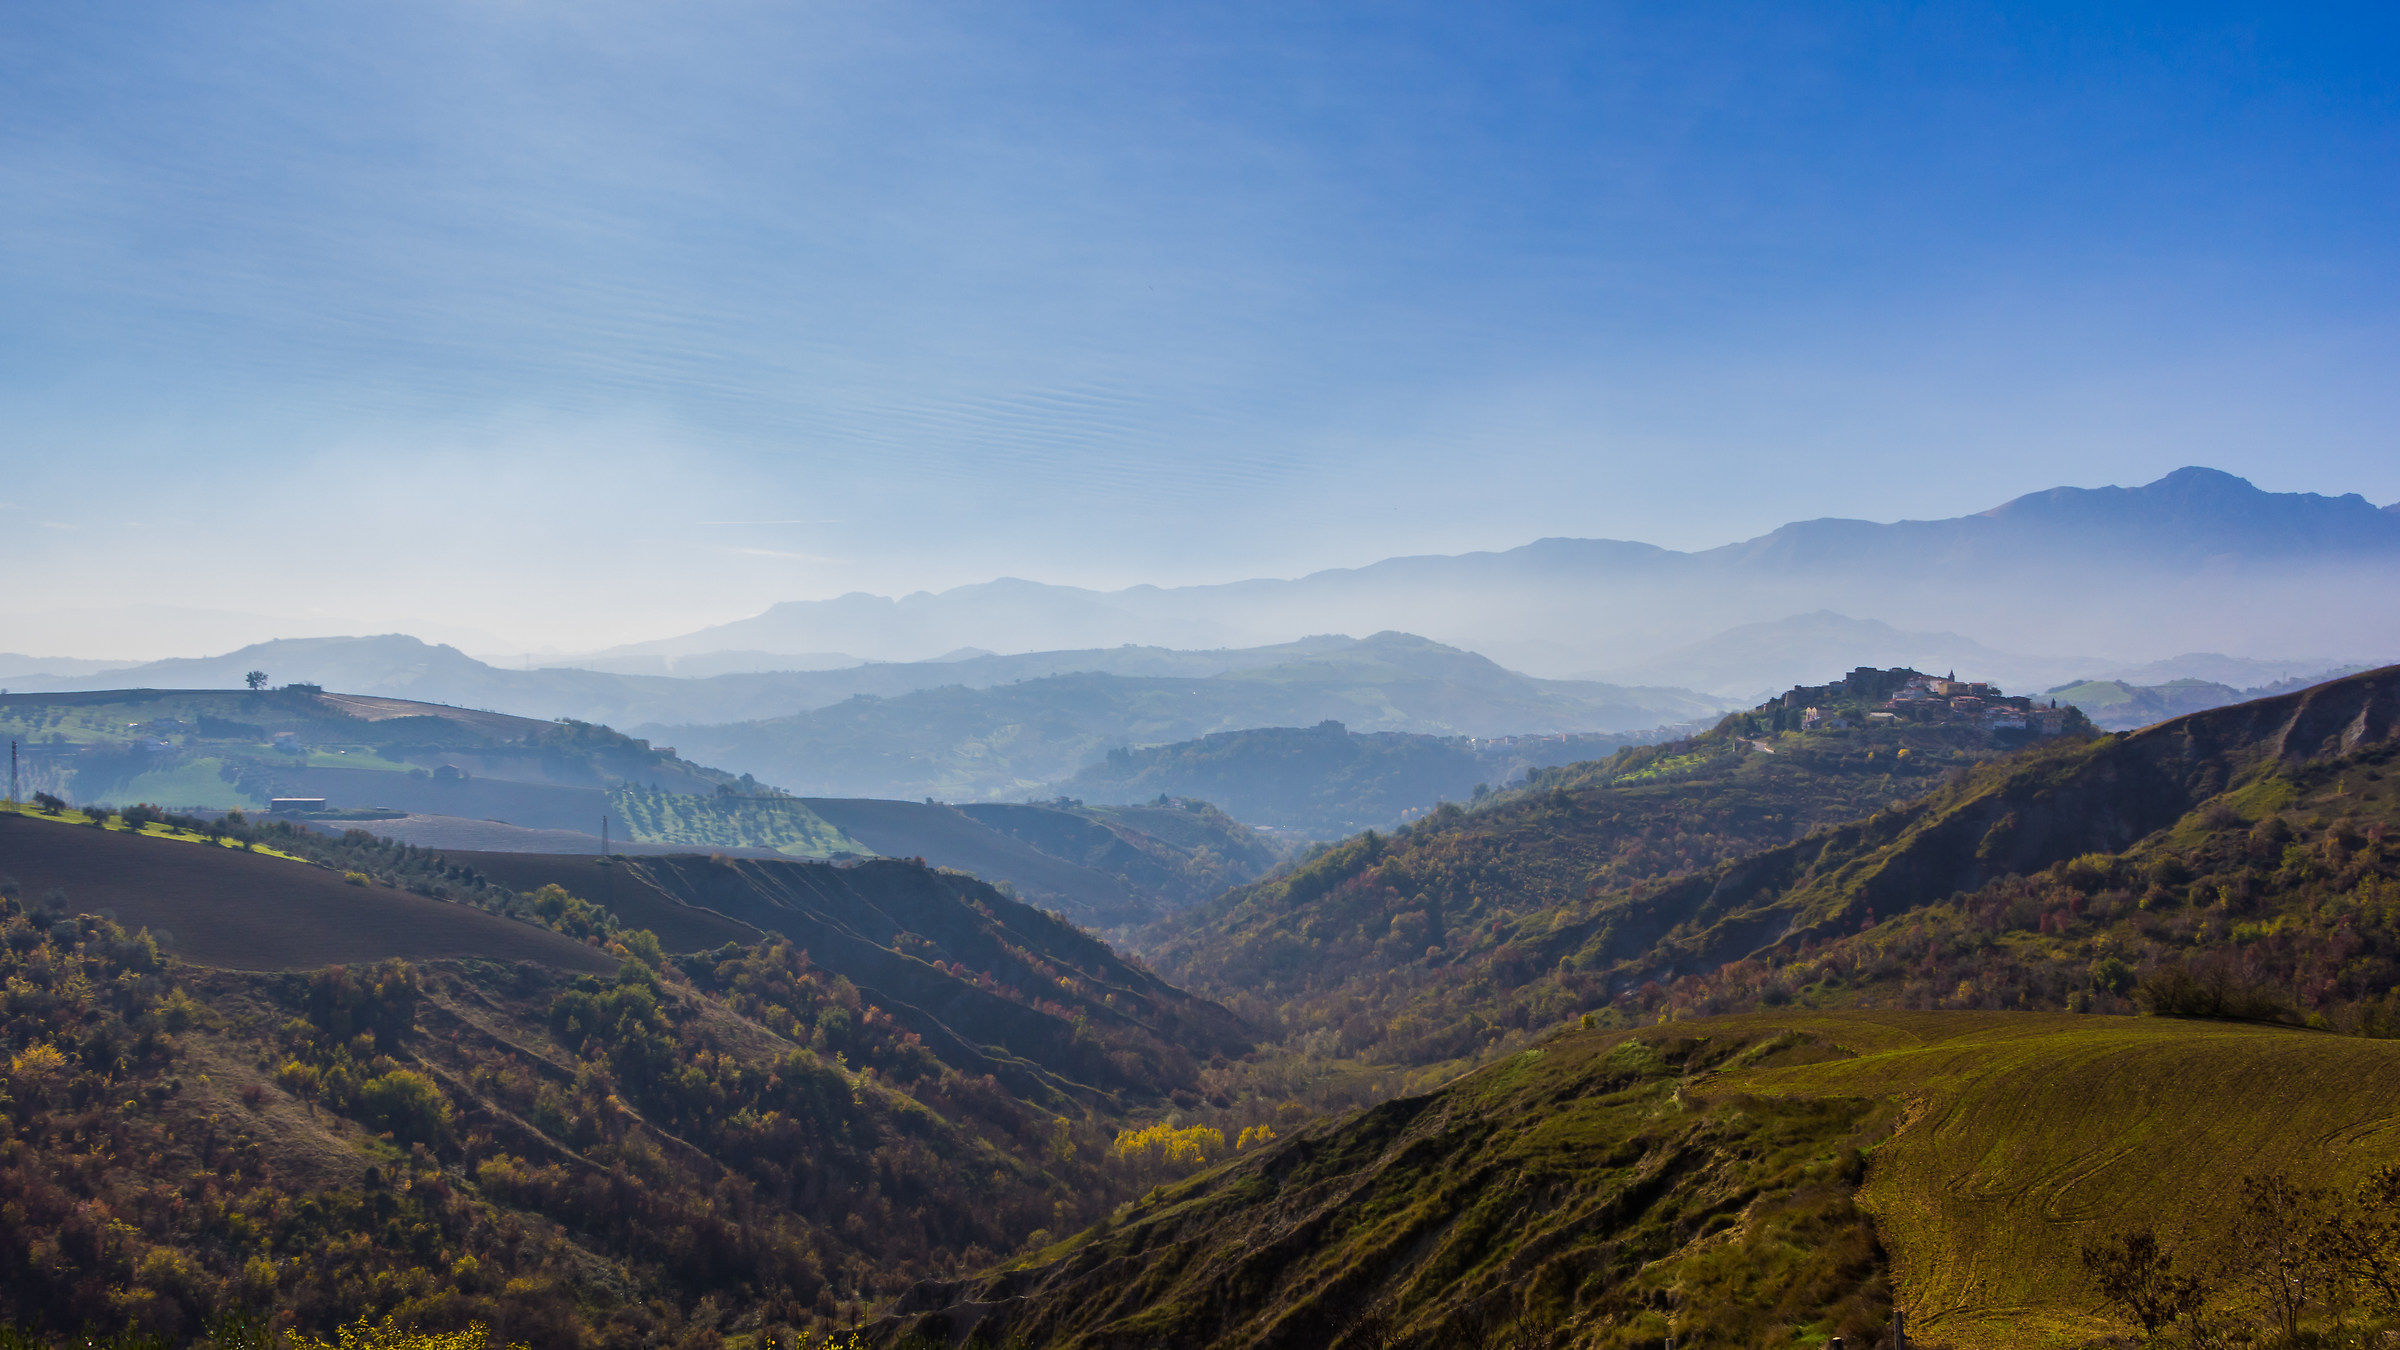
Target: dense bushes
pixel 599 1162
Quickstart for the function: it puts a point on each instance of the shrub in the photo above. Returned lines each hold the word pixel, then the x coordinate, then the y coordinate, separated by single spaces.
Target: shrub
pixel 406 1103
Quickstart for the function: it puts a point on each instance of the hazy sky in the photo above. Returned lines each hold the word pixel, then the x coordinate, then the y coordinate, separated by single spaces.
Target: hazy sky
pixel 582 323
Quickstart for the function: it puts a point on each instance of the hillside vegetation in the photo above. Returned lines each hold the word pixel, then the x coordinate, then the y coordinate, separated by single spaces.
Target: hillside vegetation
pixel 788 1088
pixel 2234 859
pixel 1180 849
pixel 731 820
pixel 1438 942
pixel 585 1141
pixel 1714 1180
pixel 1111 869
pixel 236 749
pixel 1576 1193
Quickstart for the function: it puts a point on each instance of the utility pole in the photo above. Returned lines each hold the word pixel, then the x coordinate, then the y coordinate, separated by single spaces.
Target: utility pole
pixel 12 771
pixel 604 841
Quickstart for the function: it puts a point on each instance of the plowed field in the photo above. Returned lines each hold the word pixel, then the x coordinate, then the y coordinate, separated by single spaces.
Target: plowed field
pixel 236 910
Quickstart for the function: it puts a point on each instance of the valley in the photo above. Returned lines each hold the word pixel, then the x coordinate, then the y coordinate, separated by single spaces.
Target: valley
pixel 931 676
pixel 1660 1040
pixel 1364 993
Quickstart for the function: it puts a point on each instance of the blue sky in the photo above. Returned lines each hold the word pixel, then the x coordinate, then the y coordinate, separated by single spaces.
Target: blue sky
pixel 583 323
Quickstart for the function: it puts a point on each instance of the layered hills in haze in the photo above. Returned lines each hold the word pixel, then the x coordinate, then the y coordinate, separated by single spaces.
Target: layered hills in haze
pixel 2198 561
pixel 1008 740
pixel 2054 586
pixel 444 777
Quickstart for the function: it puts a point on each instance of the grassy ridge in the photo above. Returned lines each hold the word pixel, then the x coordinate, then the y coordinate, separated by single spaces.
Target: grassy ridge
pixel 2031 1134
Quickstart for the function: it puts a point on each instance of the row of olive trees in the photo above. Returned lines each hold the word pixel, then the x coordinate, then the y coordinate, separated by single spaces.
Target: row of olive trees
pixel 2296 1261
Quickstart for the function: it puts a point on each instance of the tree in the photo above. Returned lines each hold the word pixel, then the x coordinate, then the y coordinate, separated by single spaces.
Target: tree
pixel 256 679
pixel 2276 1246
pixel 2364 1245
pixel 2138 1275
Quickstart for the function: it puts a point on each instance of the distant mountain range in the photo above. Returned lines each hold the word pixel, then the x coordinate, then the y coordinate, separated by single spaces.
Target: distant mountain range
pixel 2199 560
pixel 1755 658
pixel 2064 585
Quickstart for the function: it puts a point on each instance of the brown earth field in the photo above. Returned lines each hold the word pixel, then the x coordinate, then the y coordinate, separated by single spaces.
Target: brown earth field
pixel 236 910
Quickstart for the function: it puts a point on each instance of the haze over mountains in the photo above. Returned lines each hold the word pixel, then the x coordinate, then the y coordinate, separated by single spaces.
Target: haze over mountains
pixel 2069 583
pixel 2198 561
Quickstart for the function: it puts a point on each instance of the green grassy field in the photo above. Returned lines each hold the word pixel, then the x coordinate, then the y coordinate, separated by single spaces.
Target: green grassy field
pixel 2029 1134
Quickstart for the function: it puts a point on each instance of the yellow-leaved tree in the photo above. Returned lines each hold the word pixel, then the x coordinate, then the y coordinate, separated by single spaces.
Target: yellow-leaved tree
pixel 388 1335
pixel 1164 1148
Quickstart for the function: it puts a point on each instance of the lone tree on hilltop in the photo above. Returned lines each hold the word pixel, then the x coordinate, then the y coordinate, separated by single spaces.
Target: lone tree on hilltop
pixel 256 679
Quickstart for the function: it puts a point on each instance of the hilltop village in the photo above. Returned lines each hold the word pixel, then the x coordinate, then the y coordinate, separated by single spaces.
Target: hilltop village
pixel 1871 697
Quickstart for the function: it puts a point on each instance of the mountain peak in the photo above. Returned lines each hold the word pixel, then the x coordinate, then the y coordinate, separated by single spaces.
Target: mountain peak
pixel 2205 511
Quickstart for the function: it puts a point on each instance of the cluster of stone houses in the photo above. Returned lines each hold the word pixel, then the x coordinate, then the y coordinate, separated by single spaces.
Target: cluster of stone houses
pixel 1948 699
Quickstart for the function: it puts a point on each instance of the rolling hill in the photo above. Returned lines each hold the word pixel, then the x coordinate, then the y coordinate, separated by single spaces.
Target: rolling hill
pixel 996 987
pixel 2121 705
pixel 2232 860
pixel 236 909
pixel 237 749
pixel 1180 849
pixel 1010 741
pixel 1416 945
pixel 1326 781
pixel 1760 1180
pixel 572 1161
pixel 476 1086
pixel 398 666
pixel 446 777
